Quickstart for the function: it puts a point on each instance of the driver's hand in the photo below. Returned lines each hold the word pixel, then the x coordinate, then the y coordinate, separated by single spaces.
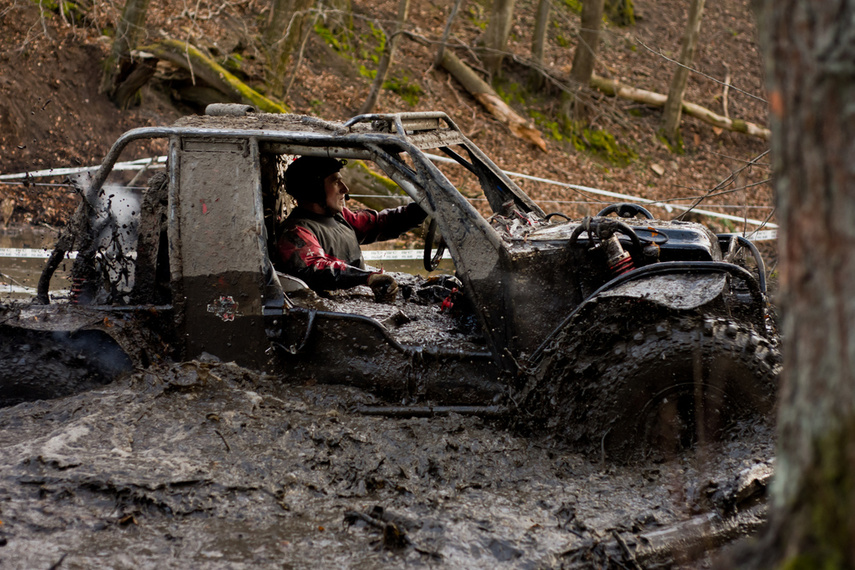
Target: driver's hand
pixel 384 286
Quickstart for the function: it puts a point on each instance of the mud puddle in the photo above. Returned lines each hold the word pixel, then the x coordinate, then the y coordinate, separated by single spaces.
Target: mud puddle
pixel 208 465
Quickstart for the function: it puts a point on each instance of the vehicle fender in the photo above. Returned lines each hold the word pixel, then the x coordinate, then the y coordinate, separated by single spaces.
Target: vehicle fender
pixel 678 291
pixel 71 319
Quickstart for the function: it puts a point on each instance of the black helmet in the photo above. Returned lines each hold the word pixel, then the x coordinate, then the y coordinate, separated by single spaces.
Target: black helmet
pixel 304 178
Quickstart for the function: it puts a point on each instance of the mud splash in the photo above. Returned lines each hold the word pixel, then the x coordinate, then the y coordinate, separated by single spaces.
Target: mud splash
pixel 210 465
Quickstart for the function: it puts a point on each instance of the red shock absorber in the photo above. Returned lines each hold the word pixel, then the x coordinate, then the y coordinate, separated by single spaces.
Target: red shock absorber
pixel 618 259
pixel 622 266
pixel 76 289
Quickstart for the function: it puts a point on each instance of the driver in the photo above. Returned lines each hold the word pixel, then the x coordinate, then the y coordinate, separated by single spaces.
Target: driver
pixel 319 241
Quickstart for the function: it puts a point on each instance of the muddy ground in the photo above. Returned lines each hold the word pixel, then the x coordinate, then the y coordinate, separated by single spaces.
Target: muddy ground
pixel 209 465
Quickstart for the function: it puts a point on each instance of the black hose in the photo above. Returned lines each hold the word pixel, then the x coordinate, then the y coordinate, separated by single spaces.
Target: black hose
pixel 432 262
pixel 551 214
pixel 624 208
pixel 761 267
pixel 42 289
pixel 585 225
pixel 624 229
pixel 630 233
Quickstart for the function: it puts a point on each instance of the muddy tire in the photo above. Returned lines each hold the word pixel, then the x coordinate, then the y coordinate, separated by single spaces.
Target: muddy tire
pixel 629 390
pixel 44 365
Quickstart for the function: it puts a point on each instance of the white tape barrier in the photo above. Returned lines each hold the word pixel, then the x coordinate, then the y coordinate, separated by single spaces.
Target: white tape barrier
pixel 28 253
pixel 370 255
pixel 32 291
pixel 159 161
pixel 763 235
pixel 397 254
pixel 155 162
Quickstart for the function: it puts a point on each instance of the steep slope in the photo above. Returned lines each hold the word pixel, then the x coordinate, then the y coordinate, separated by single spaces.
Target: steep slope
pixel 51 113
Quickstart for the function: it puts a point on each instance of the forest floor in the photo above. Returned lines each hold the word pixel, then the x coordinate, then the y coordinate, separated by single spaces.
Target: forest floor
pixel 272 476
pixel 52 115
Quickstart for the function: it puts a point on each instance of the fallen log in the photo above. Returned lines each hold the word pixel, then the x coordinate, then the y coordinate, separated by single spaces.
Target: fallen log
pixel 491 101
pixel 676 544
pixel 614 88
pixel 187 56
pixel 740 512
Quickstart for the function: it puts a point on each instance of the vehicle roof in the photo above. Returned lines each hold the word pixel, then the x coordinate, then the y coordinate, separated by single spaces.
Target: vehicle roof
pixel 424 130
pixel 267 121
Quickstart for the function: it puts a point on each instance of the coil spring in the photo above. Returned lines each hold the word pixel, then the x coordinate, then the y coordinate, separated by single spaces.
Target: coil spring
pixel 76 288
pixel 623 265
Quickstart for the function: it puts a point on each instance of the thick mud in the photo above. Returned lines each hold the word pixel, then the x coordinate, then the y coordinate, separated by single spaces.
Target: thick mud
pixel 209 465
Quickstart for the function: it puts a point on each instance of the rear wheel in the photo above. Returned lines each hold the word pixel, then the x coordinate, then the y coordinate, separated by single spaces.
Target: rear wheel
pixel 626 389
pixel 41 365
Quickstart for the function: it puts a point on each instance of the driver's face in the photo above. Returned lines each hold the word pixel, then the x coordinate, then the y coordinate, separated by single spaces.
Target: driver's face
pixel 336 191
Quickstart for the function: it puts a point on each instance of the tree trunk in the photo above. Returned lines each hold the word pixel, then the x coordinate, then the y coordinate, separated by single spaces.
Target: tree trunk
pixel 281 35
pixel 620 12
pixel 446 33
pixel 674 106
pixel 496 37
pixel 120 64
pixel 810 50
pixel 584 58
pixel 386 60
pixel 338 14
pixel 538 43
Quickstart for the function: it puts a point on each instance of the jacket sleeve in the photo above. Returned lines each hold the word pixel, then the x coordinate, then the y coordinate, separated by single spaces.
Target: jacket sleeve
pixel 301 255
pixel 371 226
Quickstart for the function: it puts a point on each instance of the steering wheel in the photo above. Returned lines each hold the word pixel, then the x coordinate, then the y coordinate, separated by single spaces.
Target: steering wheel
pixel 626 210
pixel 431 260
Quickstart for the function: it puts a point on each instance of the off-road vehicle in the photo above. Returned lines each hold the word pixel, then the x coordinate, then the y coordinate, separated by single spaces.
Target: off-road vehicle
pixel 609 330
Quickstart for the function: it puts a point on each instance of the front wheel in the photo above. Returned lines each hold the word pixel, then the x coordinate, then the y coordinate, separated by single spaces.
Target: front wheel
pixel 664 385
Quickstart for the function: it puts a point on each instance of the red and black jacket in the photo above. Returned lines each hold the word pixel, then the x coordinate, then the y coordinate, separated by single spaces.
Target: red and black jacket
pixel 324 250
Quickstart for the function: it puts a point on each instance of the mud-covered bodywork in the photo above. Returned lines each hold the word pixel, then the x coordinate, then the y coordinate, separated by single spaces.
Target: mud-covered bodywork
pixel 544 306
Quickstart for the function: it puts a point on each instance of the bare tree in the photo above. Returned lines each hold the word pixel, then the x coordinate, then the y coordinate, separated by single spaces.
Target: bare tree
pixel 446 33
pixel 386 60
pixel 123 75
pixel 810 50
pixel 584 59
pixel 282 35
pixel 674 106
pixel 498 30
pixel 538 42
pixel 338 14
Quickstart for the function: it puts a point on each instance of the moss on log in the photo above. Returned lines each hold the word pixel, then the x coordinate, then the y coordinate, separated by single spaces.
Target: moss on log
pixel 204 68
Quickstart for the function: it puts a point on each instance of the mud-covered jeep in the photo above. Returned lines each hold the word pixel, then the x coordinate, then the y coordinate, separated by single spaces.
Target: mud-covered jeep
pixel 609 330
